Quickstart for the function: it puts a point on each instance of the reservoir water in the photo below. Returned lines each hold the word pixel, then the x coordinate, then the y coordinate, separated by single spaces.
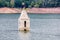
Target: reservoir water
pixel 42 27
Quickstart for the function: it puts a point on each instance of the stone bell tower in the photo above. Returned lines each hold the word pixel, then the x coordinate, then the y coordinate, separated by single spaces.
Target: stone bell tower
pixel 24 21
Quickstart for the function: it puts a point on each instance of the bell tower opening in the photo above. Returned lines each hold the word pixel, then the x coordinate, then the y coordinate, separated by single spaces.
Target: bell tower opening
pixel 24 23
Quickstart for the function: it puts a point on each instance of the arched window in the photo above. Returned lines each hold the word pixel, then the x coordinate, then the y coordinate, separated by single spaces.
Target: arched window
pixel 24 23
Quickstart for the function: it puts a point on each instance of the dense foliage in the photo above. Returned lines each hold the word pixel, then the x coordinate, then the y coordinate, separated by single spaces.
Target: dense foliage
pixel 30 3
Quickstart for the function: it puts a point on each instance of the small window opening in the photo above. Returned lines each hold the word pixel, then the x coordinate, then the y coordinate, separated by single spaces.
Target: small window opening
pixel 24 23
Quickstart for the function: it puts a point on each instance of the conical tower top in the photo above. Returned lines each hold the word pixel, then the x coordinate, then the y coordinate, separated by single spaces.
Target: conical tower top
pixel 24 14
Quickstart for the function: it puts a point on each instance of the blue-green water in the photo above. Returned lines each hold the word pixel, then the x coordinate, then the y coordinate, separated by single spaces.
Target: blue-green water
pixel 43 27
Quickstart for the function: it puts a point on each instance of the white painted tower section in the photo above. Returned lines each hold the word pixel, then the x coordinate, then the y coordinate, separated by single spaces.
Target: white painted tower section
pixel 24 21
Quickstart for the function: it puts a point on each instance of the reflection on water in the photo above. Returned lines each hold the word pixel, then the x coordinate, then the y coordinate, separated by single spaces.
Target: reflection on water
pixel 24 35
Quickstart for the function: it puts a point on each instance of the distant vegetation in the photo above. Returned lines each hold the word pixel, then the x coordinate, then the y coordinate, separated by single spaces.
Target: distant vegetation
pixel 30 3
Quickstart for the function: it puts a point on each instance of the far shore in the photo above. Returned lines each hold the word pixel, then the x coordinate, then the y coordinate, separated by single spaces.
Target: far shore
pixel 31 10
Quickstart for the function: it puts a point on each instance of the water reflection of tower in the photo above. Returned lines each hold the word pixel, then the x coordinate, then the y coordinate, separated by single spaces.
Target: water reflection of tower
pixel 24 35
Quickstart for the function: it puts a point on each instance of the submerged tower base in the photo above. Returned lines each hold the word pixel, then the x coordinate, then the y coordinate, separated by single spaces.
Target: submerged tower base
pixel 24 29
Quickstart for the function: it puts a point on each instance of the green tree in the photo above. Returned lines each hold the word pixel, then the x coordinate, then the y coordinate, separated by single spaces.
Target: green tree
pixel 7 4
pixel 12 3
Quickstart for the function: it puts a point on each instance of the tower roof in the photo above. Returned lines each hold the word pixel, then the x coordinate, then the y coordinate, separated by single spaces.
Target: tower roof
pixel 24 14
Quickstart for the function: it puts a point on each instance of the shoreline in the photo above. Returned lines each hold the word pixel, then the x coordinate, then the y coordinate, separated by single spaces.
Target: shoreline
pixel 6 10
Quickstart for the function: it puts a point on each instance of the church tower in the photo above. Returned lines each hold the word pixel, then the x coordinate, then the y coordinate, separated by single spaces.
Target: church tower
pixel 24 21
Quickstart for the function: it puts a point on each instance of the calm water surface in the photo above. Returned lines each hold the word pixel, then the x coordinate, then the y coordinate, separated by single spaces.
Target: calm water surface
pixel 43 27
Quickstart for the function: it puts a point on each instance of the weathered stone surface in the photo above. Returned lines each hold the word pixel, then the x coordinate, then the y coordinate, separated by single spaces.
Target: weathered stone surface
pixel 24 21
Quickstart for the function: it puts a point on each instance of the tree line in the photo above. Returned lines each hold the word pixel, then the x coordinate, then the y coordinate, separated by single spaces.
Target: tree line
pixel 29 3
